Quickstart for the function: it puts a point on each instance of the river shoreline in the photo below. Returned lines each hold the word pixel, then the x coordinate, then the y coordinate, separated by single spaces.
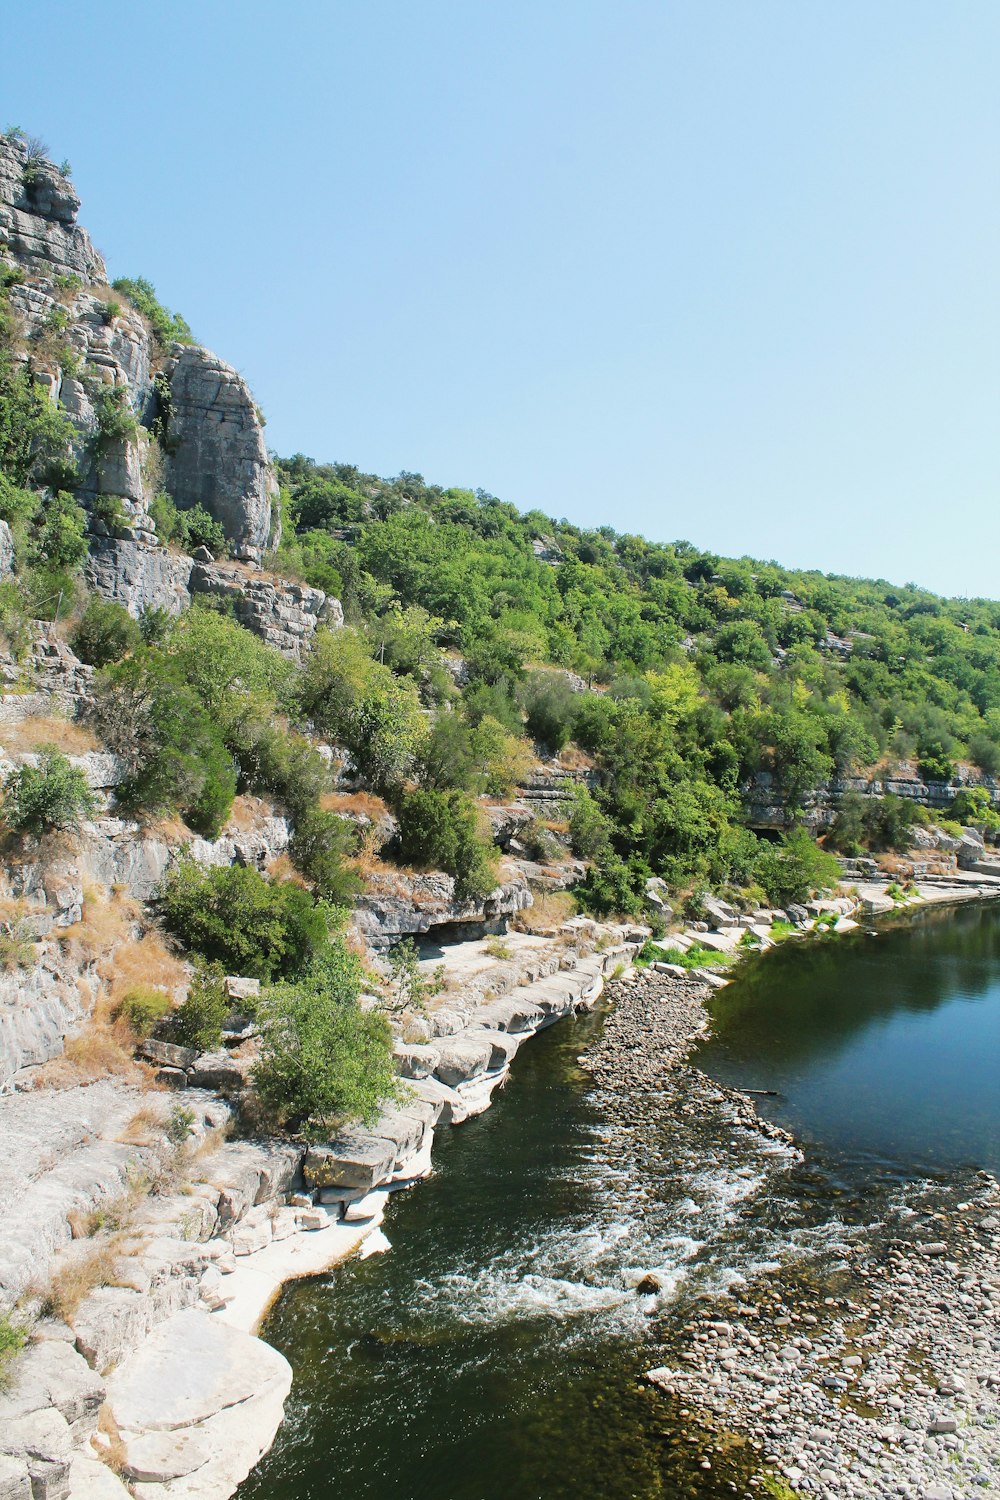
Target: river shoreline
pixel 877 1376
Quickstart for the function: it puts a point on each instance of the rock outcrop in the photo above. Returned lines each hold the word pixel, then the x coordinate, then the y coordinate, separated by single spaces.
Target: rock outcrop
pixel 396 904
pixel 38 208
pixel 217 457
pixel 88 347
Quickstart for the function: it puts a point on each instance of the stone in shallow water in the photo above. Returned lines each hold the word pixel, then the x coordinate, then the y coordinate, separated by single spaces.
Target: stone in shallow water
pixel 190 1367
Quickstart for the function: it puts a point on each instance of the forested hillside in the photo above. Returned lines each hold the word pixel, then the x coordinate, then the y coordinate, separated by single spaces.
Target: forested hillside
pixel 704 670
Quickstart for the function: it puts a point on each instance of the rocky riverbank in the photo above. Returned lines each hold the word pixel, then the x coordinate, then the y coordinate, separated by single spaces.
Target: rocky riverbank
pixel 872 1370
pixel 145 1248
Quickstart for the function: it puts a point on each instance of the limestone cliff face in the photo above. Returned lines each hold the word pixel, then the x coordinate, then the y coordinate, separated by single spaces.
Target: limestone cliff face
pixel 81 336
pixel 217 457
pixel 87 345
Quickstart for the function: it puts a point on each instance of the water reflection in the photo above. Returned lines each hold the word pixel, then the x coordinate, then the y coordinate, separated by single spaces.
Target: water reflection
pixel 884 1047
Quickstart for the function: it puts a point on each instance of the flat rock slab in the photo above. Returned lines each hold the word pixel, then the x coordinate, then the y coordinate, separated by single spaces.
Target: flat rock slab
pixel 463 1057
pixel 155 1457
pixel 90 1479
pixel 189 1368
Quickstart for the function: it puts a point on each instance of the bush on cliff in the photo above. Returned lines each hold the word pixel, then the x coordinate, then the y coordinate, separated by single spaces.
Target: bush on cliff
pixel 319 847
pixel 173 748
pixel 232 916
pixel 359 703
pixel 441 831
pixel 198 1021
pixel 792 870
pixel 322 1059
pixel 51 795
pixel 105 634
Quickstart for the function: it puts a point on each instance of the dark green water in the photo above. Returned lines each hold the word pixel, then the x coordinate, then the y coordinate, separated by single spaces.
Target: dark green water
pixel 493 1352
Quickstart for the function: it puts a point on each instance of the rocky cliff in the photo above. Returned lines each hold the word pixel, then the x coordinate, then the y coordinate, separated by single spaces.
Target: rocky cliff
pixel 182 421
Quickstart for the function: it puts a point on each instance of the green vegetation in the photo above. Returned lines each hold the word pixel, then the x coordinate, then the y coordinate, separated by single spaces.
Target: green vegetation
pixel 695 957
pixel 168 327
pixel 232 916
pixel 12 1340
pixel 198 1022
pixel 144 1007
pixel 187 529
pixel 322 1058
pixel 50 795
pixel 105 633
pixel 440 831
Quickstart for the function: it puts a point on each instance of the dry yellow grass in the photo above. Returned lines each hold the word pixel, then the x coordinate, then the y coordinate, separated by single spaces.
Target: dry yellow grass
pixel 143 961
pixel 550 910
pixel 110 1445
pixel 281 869
pixel 575 759
pixel 65 734
pixel 79 1274
pixel 172 830
pixel 356 804
pixel 246 814
pixel 105 924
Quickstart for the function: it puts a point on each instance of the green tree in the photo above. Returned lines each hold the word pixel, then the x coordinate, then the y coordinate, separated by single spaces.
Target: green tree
pixel 50 795
pixel 232 916
pixel 105 634
pixel 440 831
pixel 360 704
pixel 323 1060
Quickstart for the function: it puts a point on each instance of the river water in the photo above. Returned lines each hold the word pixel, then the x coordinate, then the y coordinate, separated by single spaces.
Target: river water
pixel 493 1353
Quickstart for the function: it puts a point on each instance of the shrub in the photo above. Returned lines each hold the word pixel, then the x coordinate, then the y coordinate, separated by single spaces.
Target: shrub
pixel 589 829
pixel 318 848
pixel 143 1007
pixel 793 870
pixel 116 421
pixel 610 887
pixel 105 634
pixel 12 1340
pixel 984 752
pixel 550 708
pixel 168 327
pixel 58 534
pixel 322 1059
pixel 936 768
pixel 359 703
pixel 440 831
pixel 198 1022
pixel 17 946
pixel 502 760
pixel 172 746
pixel 48 796
pixel 286 765
pixel 190 528
pixel 233 916
pixel 408 989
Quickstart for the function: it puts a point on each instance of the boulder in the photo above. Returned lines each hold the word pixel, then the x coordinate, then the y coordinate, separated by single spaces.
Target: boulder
pixel 167 1054
pixel 216 1070
pixel 415 1059
pixel 354 1159
pixel 464 1056
pixel 188 1369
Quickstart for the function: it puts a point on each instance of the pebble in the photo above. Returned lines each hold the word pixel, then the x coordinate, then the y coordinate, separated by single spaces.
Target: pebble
pixel 922 1310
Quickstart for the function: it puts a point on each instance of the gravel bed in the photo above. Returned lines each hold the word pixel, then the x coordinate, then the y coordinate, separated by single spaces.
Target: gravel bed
pixel 873 1373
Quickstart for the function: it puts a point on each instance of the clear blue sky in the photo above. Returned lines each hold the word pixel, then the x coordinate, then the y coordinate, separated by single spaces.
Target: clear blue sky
pixel 723 271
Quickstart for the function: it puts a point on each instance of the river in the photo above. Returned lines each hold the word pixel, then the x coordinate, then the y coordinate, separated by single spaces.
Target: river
pixel 495 1349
